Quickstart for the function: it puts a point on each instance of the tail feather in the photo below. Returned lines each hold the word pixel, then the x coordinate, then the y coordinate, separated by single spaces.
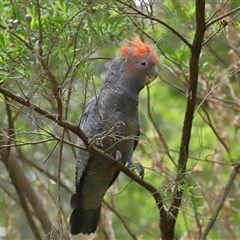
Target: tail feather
pixel 84 220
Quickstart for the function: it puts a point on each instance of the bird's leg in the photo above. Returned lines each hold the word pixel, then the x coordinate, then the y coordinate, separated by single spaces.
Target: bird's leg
pixel 131 163
pixel 137 165
pixel 118 155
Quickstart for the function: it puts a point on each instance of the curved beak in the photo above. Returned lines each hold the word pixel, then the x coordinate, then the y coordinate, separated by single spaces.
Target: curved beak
pixel 151 75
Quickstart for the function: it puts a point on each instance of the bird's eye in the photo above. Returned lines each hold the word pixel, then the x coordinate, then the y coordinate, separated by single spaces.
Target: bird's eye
pixel 143 63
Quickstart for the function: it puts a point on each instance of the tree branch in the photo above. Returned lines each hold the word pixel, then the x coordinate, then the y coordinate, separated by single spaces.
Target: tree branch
pixel 221 199
pixel 63 123
pixel 133 236
pixel 152 18
pixel 6 155
pixel 25 207
pixel 91 148
pixel 168 229
pixel 222 16
pixel 22 185
pixel 51 77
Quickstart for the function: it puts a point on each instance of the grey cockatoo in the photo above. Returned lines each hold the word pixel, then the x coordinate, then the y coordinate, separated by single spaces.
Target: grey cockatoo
pixel 110 121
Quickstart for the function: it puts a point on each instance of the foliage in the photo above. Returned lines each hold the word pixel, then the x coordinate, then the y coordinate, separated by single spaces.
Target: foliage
pixel 54 54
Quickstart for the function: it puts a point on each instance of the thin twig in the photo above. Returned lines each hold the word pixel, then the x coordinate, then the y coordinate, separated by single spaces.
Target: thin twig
pixel 51 77
pixel 20 182
pixel 166 148
pixel 221 199
pixel 188 119
pixel 222 27
pixel 222 16
pixel 215 131
pixel 6 156
pixel 91 148
pixel 217 11
pixel 152 18
pixel 121 219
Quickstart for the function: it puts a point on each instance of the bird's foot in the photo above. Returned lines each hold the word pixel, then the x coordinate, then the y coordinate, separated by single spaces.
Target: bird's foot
pixel 118 155
pixel 138 166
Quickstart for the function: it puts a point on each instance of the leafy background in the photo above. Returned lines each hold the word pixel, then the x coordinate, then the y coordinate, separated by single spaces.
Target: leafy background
pixel 78 41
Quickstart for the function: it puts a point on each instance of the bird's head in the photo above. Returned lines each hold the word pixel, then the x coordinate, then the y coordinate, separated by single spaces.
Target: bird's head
pixel 139 61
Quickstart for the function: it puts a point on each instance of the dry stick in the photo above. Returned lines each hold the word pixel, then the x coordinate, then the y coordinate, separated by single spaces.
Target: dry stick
pixel 20 181
pixel 52 79
pixel 90 148
pixel 222 27
pixel 63 123
pixel 65 187
pixel 153 18
pixel 58 221
pixel 221 199
pixel 222 16
pixel 168 228
pixel 74 128
pixel 23 204
pixel 166 148
pixel 6 155
pixel 121 219
pixel 208 121
pixel 221 7
pixel 45 172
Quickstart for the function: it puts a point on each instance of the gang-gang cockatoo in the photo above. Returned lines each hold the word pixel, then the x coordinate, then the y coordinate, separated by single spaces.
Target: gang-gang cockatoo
pixel 110 121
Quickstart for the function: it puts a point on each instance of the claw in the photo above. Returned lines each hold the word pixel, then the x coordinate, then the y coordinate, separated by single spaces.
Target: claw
pixel 138 166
